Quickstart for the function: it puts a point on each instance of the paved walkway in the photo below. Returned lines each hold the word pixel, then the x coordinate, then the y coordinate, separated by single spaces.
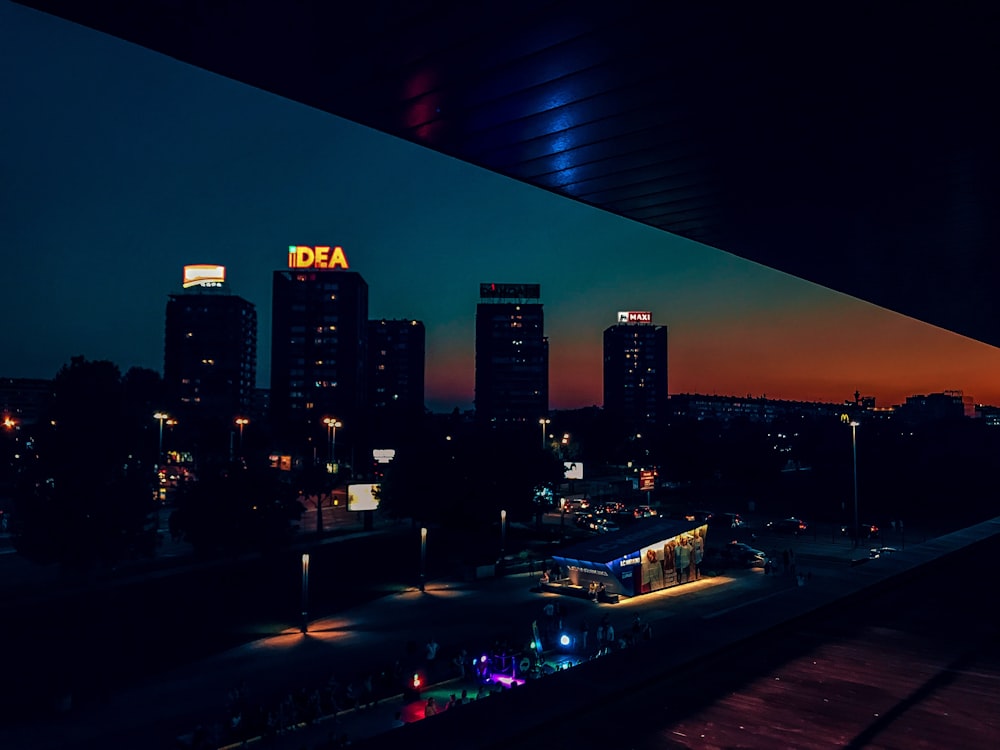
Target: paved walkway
pixel 165 710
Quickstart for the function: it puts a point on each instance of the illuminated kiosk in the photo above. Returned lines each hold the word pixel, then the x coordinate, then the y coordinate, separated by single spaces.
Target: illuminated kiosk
pixel 653 555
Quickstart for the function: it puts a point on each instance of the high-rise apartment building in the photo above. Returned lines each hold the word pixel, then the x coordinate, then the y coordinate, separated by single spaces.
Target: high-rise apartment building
pixel 512 354
pixel 318 347
pixel 635 370
pixel 396 354
pixel 210 348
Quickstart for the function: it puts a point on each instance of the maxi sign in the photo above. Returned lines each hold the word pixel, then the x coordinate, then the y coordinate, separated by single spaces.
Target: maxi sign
pixel 635 316
pixel 320 257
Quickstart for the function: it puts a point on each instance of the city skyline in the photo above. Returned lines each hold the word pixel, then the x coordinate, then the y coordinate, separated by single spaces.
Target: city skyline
pixel 129 165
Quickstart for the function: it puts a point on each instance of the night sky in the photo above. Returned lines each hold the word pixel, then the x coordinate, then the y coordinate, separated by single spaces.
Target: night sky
pixel 118 166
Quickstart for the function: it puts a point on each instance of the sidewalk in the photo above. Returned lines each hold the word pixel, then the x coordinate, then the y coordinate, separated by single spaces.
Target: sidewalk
pixel 472 615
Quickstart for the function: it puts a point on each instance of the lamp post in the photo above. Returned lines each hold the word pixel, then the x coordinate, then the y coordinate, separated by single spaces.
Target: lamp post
pixel 854 452
pixel 332 423
pixel 241 422
pixel 543 421
pixel 503 534
pixel 423 556
pixel 162 417
pixel 305 592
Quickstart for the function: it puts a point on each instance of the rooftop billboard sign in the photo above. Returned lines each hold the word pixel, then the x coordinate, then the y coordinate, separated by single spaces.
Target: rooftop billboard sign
pixel 321 257
pixel 204 275
pixel 635 316
pixel 510 291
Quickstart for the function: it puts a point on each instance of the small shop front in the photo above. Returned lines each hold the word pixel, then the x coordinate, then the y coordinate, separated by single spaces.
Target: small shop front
pixel 653 555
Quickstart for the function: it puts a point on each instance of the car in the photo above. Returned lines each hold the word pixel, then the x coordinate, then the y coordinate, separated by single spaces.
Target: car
pixel 698 516
pixel 603 525
pixel 576 503
pixel 643 511
pixel 790 525
pixel 876 552
pixel 608 507
pixel 725 521
pixel 865 530
pixel 735 555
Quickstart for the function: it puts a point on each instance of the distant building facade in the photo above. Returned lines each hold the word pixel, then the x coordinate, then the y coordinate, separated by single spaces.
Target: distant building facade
pixel 635 370
pixel 702 407
pixel 210 350
pixel 934 407
pixel 318 346
pixel 396 364
pixel 512 354
pixel 24 401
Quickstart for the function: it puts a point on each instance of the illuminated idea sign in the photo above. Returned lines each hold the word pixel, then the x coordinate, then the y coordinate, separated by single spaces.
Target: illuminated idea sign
pixel 204 275
pixel 322 257
pixel 633 316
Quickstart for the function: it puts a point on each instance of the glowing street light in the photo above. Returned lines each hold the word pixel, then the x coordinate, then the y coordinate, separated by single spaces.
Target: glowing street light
pixel 241 422
pixel 305 592
pixel 544 421
pixel 854 451
pixel 423 556
pixel 332 423
pixel 162 417
pixel 503 533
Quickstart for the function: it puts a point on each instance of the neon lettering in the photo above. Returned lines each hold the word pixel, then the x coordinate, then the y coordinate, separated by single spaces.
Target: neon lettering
pixel 320 257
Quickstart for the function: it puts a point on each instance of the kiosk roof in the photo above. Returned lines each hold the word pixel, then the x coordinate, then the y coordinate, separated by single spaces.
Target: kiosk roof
pixel 615 544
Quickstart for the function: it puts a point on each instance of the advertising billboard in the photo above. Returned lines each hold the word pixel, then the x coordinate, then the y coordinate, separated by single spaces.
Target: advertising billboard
pixel 383 455
pixel 362 497
pixel 647 480
pixel 634 316
pixel 204 274
pixel 510 291
pixel 320 257
pixel 572 470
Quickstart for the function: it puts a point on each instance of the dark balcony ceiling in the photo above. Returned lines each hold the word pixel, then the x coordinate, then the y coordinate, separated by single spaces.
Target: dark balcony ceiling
pixel 852 144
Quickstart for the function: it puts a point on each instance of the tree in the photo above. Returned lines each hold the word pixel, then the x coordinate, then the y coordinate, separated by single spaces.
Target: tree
pixel 86 498
pixel 464 479
pixel 236 509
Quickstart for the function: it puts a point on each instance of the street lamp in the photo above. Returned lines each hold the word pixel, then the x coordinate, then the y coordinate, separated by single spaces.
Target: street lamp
pixel 241 422
pixel 543 421
pixel 423 556
pixel 854 451
pixel 332 423
pixel 503 533
pixel 305 592
pixel 163 417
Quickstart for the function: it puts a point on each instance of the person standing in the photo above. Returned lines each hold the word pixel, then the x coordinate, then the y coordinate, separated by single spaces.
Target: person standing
pixel 431 707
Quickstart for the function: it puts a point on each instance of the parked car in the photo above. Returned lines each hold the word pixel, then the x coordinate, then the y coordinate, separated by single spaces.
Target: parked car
pixel 876 552
pixel 791 525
